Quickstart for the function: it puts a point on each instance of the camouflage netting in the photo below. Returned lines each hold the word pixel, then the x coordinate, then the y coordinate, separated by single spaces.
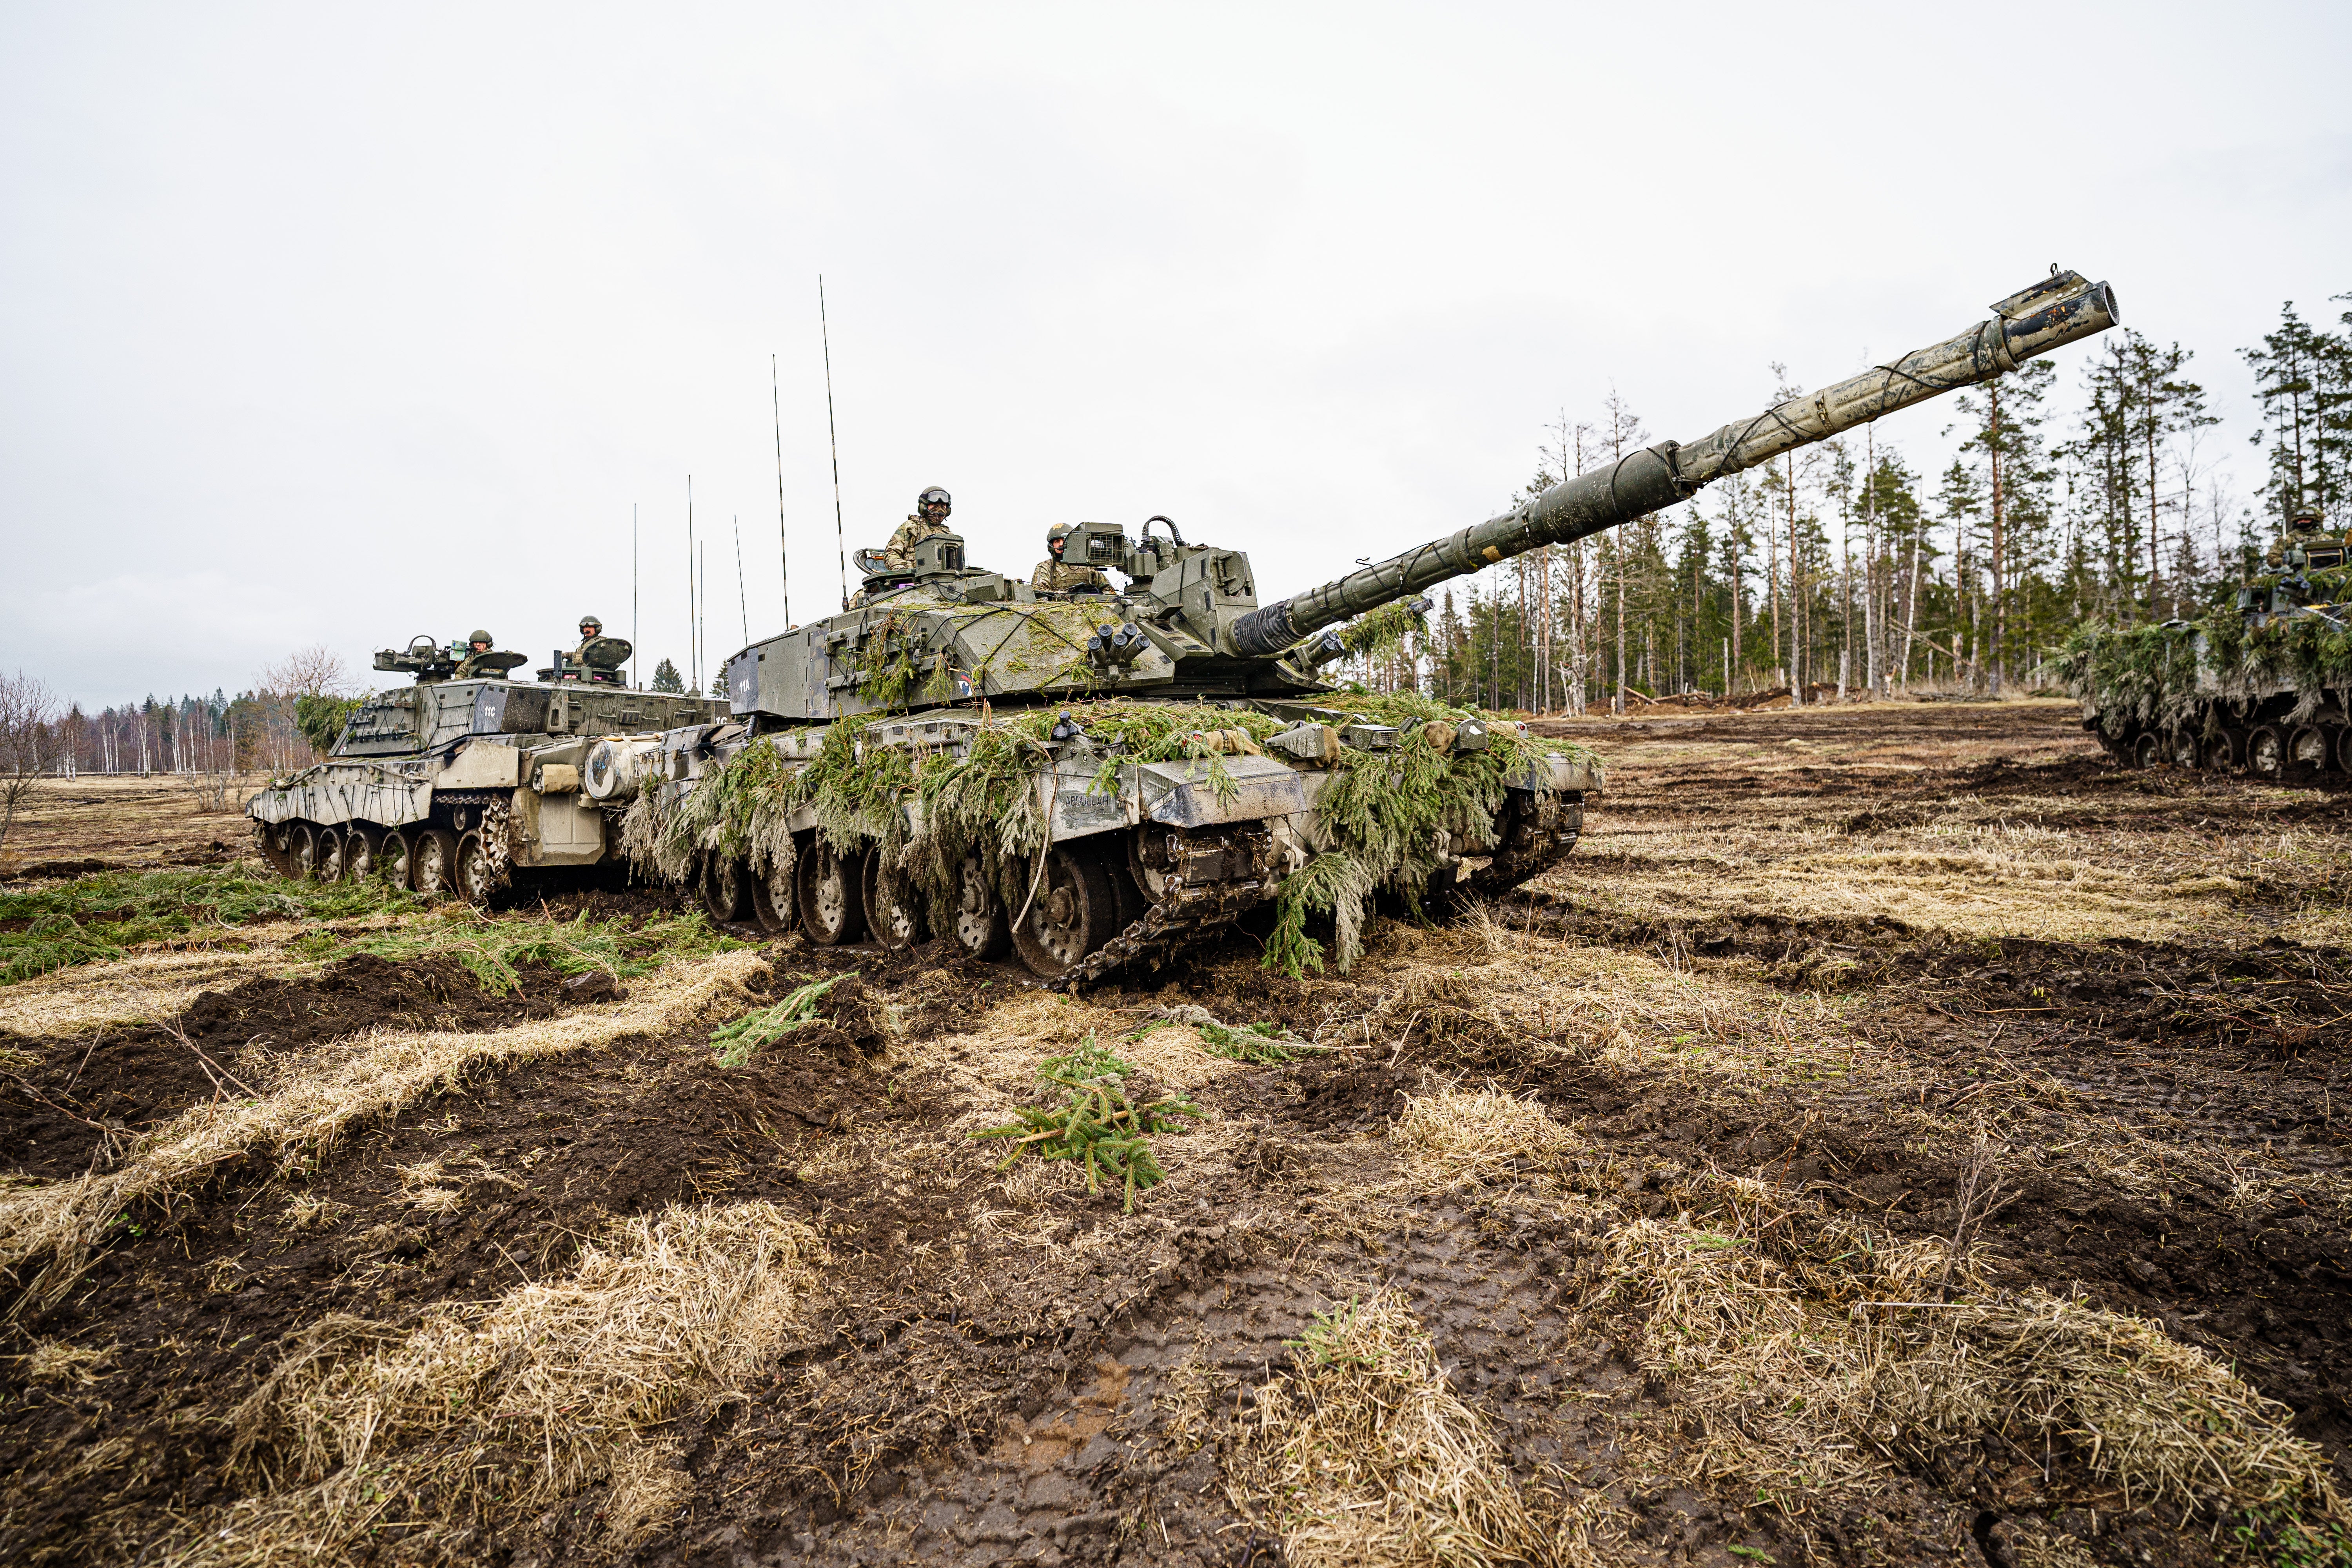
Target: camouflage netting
pixel 2162 677
pixel 1376 822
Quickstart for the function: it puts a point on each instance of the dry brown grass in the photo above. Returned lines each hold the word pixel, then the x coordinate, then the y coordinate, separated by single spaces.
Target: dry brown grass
pixel 525 1400
pixel 1362 1456
pixel 54 1226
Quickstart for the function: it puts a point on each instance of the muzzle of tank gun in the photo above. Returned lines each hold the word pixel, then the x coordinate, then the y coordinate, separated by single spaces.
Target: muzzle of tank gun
pixel 1116 646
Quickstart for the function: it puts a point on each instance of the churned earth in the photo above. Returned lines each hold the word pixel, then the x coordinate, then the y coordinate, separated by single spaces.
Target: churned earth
pixel 1895 1135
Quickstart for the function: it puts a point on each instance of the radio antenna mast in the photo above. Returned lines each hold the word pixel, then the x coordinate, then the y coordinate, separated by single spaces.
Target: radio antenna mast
pixel 633 594
pixel 833 435
pixel 784 554
pixel 693 610
pixel 742 597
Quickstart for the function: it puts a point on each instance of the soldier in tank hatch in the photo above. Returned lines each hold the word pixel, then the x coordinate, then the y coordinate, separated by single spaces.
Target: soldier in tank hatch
pixel 477 646
pixel 930 518
pixel 591 629
pixel 1056 576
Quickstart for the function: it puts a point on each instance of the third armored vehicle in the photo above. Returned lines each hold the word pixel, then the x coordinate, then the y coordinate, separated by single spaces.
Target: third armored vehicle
pixel 1090 778
pixel 2259 687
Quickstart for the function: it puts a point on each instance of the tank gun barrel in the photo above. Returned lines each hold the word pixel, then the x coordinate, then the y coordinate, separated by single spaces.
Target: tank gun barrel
pixel 2054 311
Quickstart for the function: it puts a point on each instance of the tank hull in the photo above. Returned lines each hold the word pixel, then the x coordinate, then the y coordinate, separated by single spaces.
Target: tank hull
pixel 1113 863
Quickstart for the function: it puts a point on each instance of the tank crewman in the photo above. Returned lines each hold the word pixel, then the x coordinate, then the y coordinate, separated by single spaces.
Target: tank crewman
pixel 929 516
pixel 477 646
pixel 1056 576
pixel 590 628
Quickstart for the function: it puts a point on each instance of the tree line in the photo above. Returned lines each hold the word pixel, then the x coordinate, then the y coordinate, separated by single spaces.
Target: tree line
pixel 1841 566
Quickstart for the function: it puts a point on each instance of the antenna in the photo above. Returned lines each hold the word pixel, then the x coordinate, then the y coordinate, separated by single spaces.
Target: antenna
pixel 833 435
pixel 742 599
pixel 784 555
pixel 633 594
pixel 693 615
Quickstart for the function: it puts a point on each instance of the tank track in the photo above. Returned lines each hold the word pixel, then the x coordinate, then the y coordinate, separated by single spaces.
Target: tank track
pixel 1538 836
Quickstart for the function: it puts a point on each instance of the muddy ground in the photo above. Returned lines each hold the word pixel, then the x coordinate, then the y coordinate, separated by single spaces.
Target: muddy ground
pixel 1836 952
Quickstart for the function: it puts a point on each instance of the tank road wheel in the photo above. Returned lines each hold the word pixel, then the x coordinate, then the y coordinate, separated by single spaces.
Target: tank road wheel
pixel 2343 748
pixel 329 867
pixel 2148 750
pixel 2184 749
pixel 359 853
pixel 2306 753
pixel 894 909
pixel 726 888
pixel 301 850
pixel 476 878
pixel 1072 911
pixel 435 856
pixel 831 899
pixel 2225 751
pixel 396 858
pixel 982 928
pixel 2266 754
pixel 773 904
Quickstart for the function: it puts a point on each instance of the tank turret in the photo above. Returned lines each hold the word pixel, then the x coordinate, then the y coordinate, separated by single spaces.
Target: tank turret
pixel 1093 777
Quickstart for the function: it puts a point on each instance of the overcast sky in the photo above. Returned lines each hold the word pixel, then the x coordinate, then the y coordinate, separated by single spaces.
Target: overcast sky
pixel 342 324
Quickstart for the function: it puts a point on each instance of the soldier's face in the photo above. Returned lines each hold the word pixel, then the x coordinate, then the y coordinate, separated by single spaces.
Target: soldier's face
pixel 935 510
pixel 590 630
pixel 481 647
pixel 1054 547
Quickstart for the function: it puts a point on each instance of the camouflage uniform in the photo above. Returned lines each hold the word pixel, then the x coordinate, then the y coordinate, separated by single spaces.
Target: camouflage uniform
pixel 900 550
pixel 469 667
pixel 1058 576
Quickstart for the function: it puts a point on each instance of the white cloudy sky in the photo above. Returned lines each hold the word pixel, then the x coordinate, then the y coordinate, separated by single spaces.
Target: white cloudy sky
pixel 340 323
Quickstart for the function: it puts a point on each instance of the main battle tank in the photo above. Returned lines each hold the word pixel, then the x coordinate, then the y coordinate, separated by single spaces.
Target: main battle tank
pixel 459 785
pixel 2260 687
pixel 1090 779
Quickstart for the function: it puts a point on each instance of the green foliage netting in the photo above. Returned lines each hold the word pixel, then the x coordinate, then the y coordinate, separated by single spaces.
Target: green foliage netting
pixel 1375 824
pixel 2150 676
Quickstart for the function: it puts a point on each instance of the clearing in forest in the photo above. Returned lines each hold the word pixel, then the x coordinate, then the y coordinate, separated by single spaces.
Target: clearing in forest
pixel 1894 1134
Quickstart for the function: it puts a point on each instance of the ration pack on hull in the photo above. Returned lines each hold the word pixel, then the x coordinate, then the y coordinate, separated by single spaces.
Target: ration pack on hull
pixel 459 785
pixel 1091 778
pixel 2263 688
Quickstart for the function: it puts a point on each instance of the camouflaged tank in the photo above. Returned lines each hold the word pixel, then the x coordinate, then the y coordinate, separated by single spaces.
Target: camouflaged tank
pixel 2262 688
pixel 1091 779
pixel 450 785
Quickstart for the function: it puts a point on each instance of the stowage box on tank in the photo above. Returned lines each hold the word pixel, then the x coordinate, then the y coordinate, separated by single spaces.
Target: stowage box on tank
pixel 1131 838
pixel 451 785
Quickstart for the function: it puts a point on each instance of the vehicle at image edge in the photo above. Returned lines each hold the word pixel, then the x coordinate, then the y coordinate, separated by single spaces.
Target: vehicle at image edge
pixel 2254 707
pixel 1181 848
pixel 459 786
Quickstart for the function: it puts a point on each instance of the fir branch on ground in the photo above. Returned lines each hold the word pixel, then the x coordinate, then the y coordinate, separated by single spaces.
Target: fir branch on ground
pixel 1097 1126
pixel 737 1042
